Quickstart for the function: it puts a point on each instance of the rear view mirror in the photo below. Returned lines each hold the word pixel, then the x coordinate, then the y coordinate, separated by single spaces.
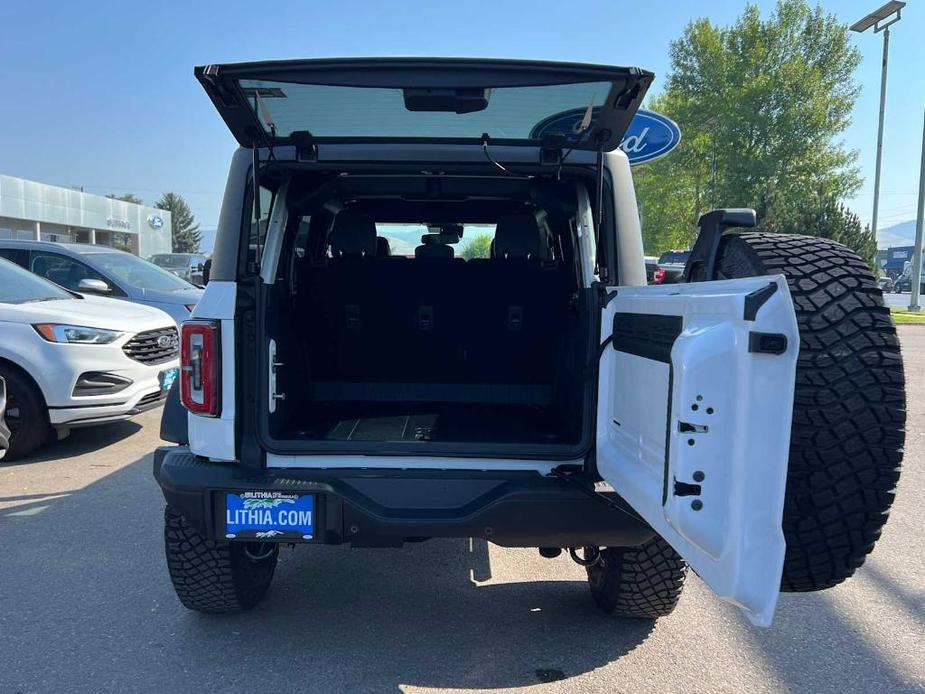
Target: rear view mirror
pixel 440 238
pixel 446 100
pixel 91 286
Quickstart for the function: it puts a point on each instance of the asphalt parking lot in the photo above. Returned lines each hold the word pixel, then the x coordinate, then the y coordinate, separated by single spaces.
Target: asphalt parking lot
pixel 86 604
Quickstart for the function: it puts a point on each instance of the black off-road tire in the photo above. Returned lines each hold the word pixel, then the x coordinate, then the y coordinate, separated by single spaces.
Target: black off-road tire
pixel 643 582
pixel 849 408
pixel 26 414
pixel 216 577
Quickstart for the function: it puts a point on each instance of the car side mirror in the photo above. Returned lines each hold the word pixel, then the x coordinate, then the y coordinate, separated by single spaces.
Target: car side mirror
pixel 91 286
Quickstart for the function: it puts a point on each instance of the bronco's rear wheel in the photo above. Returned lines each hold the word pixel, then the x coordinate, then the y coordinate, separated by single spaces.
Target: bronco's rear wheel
pixel 643 582
pixel 212 576
pixel 849 404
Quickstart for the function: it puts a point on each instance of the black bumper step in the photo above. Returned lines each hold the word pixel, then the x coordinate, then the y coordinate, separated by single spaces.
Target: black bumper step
pixel 389 507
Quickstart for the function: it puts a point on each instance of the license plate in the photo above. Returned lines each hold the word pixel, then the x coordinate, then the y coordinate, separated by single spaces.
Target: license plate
pixel 167 377
pixel 269 516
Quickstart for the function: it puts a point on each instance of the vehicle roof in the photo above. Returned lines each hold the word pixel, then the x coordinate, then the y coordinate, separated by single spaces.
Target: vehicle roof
pixel 76 248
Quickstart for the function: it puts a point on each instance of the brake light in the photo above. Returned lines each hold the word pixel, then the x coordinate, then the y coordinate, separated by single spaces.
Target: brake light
pixel 200 367
pixel 659 276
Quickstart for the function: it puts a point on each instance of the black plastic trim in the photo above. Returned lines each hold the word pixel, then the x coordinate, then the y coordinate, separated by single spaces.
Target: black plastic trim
pixel 767 343
pixel 389 507
pixel 646 335
pixel 174 420
pixel 756 299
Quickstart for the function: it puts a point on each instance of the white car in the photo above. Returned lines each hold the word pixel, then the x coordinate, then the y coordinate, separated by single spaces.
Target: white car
pixel 71 360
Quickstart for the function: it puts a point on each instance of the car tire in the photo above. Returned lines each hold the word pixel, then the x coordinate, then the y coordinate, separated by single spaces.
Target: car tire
pixel 849 408
pixel 212 576
pixel 26 414
pixel 641 582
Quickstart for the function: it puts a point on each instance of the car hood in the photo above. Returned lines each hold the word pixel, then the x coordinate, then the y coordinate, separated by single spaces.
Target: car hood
pixel 93 312
pixel 182 296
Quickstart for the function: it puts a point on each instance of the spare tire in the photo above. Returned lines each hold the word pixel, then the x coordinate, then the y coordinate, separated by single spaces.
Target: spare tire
pixel 849 406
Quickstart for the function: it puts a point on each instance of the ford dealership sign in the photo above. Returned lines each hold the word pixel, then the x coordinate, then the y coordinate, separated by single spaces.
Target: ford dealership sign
pixel 649 137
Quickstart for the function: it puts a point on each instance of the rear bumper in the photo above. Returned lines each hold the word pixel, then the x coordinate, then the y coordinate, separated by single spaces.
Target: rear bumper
pixel 381 508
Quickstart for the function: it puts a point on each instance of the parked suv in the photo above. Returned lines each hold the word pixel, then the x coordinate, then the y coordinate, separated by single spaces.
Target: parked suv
pixel 72 361
pixel 189 266
pixel 750 427
pixel 91 269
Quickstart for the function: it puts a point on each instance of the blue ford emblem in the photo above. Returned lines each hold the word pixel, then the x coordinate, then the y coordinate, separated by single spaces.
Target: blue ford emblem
pixel 649 137
pixel 155 221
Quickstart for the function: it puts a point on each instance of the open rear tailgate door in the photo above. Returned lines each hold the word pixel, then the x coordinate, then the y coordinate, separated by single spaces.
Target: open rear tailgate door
pixel 441 100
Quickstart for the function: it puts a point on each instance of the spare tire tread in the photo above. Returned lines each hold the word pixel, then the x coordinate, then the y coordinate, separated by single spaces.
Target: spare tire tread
pixel 849 403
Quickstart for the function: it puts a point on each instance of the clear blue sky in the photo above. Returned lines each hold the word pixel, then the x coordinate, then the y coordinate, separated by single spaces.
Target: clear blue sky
pixel 101 94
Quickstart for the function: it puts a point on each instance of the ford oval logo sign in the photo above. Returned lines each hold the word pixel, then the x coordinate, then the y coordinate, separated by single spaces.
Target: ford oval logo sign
pixel 155 221
pixel 649 137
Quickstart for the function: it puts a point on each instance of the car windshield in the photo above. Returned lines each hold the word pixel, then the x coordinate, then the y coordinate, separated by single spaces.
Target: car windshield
pixel 520 113
pixel 170 260
pixel 137 272
pixel 19 286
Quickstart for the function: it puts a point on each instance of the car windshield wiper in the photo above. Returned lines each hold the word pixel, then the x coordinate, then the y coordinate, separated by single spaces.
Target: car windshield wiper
pixel 46 298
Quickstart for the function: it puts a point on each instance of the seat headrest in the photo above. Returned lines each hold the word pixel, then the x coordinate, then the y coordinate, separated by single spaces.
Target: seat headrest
pixel 354 234
pixel 433 250
pixel 383 249
pixel 518 236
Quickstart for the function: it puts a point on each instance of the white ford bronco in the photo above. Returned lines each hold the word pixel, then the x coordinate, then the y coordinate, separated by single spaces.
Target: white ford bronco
pixel 341 385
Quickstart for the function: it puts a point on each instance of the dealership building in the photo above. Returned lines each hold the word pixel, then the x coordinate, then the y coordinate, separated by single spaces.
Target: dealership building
pixel 36 211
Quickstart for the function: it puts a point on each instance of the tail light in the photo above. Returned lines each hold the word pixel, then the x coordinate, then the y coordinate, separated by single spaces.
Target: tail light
pixel 201 367
pixel 659 276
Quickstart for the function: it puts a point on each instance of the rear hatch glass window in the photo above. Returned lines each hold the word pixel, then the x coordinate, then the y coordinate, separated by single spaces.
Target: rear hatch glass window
pixel 516 113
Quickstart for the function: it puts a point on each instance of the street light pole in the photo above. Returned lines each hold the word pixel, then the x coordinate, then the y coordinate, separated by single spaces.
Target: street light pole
pixel 886 55
pixel 880 19
pixel 919 223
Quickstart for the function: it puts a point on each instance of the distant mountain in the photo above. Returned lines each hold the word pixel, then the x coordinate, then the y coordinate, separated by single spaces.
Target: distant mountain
pixel 902 234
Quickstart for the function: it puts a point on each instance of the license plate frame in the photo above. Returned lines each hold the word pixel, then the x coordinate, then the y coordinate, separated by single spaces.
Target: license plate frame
pixel 269 516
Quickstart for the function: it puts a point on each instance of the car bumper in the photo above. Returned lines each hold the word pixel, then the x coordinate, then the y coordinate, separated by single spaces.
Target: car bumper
pixel 89 415
pixel 383 508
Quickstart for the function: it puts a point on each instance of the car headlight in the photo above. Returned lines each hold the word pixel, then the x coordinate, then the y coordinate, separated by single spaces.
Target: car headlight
pixel 76 334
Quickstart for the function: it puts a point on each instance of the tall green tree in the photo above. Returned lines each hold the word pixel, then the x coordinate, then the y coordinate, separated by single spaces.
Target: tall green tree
pixel 127 197
pixel 828 218
pixel 478 247
pixel 186 236
pixel 761 105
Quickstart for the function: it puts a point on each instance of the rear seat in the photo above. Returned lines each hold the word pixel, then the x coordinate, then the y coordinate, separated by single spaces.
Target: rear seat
pixel 402 328
pixel 344 294
pixel 518 307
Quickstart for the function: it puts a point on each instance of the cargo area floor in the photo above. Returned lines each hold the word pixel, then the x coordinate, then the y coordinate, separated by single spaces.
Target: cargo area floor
pixel 430 422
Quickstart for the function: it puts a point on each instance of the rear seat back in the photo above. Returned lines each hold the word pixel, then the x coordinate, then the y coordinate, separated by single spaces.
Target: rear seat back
pixel 519 306
pixel 436 319
pixel 345 291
